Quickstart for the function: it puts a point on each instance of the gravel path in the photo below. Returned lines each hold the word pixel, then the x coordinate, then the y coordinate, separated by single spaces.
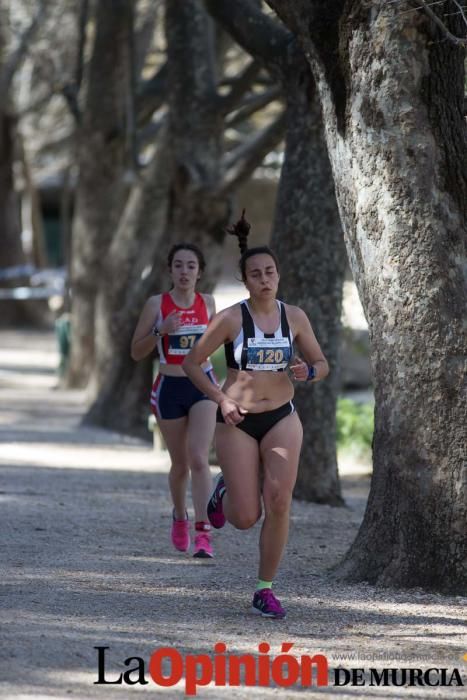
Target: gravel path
pixel 86 562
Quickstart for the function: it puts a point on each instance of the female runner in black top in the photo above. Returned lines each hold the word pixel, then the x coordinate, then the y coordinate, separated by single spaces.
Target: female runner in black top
pixel 256 420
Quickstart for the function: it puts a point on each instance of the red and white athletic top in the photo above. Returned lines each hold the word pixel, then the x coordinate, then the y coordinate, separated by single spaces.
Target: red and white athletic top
pixel 194 321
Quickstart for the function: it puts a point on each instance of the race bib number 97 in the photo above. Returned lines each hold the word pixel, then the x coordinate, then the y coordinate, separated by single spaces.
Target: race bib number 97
pixel 267 353
pixel 182 340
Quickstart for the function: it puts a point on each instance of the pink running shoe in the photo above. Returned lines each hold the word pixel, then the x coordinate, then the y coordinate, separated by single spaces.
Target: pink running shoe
pixel 203 546
pixel 266 604
pixel 181 533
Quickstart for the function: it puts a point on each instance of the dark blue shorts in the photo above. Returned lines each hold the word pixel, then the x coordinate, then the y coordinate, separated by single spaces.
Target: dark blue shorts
pixel 172 397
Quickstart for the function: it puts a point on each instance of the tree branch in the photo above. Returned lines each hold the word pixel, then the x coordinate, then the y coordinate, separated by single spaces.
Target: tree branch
pixel 239 86
pixel 36 105
pixel 262 37
pixel 252 104
pixel 145 34
pixel 82 23
pixel 244 160
pixel 70 91
pixel 148 134
pixel 55 148
pixel 151 95
pixel 132 145
pixel 14 60
pixel 263 78
pixel 192 76
pixel 455 39
pixel 70 96
pixel 461 11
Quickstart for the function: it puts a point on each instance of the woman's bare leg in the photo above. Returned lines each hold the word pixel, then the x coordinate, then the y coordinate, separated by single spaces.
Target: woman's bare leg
pixel 201 424
pixel 280 453
pixel 175 434
pixel 238 455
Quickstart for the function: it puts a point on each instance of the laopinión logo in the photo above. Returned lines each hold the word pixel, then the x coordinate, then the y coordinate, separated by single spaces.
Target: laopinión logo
pixel 167 667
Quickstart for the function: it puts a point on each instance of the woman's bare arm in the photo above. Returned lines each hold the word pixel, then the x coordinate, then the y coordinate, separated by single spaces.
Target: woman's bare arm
pixel 143 341
pixel 308 346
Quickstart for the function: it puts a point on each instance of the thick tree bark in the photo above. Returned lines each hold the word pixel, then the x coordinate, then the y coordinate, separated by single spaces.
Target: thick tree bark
pixel 308 239
pixel 101 190
pixel 392 96
pixel 307 233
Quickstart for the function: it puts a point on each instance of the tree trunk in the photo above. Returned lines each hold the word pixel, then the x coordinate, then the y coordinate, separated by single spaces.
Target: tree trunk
pixel 308 239
pixel 101 190
pixel 177 200
pixel 11 249
pixel 12 253
pixel 138 252
pixel 14 311
pixel 31 212
pixel 198 213
pixel 392 95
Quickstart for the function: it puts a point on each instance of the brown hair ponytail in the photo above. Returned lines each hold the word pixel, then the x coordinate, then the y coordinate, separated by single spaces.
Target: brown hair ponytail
pixel 241 229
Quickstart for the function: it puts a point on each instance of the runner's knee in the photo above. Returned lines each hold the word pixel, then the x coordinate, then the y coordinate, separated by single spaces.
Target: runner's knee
pixel 179 470
pixel 198 462
pixel 245 520
pixel 277 501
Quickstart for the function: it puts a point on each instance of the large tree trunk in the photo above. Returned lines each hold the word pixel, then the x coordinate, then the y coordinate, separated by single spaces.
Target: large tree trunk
pixel 198 212
pixel 178 200
pixel 392 95
pixel 11 249
pixel 14 311
pixel 101 190
pixel 308 239
pixel 138 252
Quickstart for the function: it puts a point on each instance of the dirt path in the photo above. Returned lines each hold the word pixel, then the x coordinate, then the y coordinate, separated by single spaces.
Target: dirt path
pixel 86 562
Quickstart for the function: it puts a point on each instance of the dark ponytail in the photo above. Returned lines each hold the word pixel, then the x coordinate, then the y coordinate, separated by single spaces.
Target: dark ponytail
pixel 241 229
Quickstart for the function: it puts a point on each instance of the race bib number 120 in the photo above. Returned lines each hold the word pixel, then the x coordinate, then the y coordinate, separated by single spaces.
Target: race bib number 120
pixel 267 353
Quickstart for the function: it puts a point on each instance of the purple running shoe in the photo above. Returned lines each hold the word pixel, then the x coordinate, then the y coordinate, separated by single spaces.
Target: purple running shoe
pixel 215 512
pixel 266 604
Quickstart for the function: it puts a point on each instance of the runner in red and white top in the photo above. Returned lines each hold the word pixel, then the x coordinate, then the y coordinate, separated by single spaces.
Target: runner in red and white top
pixel 173 322
pixel 194 320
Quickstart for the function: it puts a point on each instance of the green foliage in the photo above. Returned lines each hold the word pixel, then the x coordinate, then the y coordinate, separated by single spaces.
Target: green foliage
pixel 218 362
pixel 355 425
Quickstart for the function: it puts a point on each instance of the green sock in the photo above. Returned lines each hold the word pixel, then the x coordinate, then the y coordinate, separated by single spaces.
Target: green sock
pixel 263 584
